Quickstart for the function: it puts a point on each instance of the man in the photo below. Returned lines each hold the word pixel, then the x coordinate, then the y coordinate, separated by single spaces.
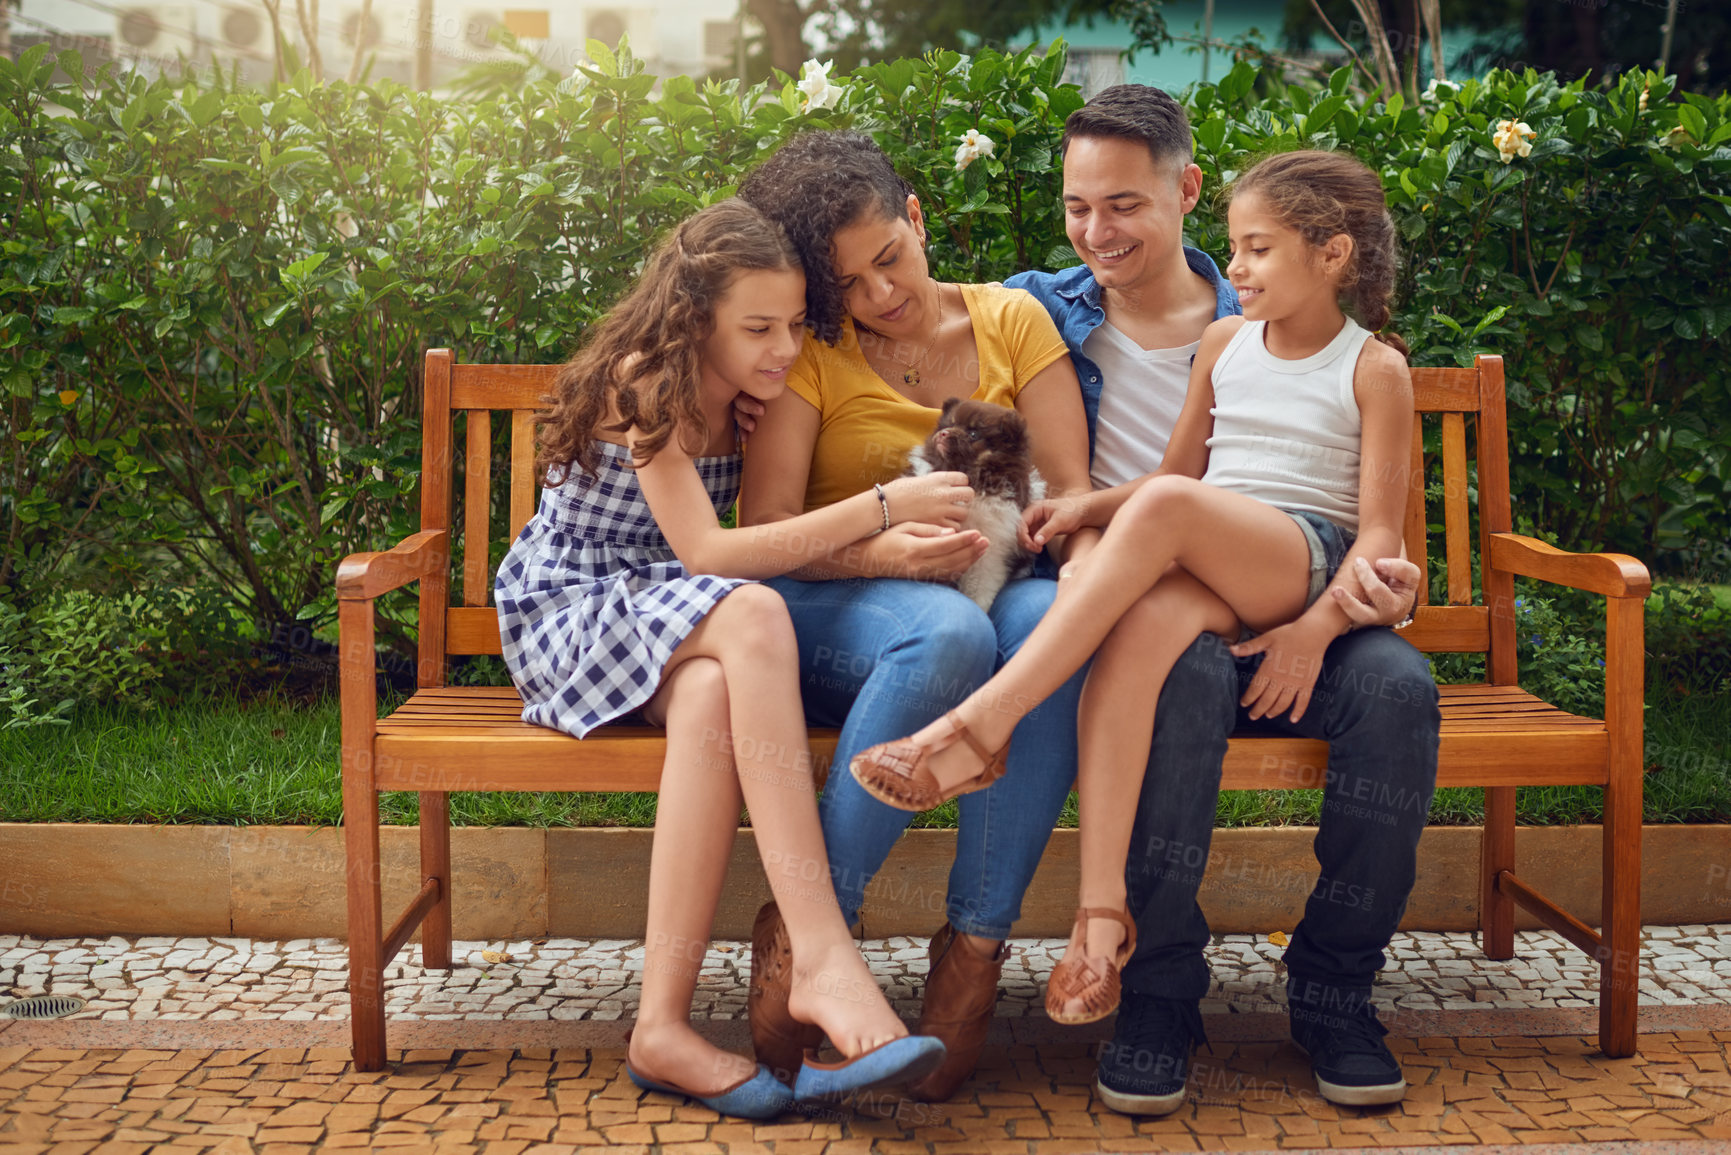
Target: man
pixel 1132 316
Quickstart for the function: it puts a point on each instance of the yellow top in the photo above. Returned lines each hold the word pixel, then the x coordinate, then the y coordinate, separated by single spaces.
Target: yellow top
pixel 867 427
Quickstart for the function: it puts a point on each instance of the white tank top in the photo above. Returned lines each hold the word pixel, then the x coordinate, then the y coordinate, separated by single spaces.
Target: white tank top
pixel 1287 432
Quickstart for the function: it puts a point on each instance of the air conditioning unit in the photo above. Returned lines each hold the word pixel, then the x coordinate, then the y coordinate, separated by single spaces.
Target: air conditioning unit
pixel 244 28
pixel 386 29
pixel 609 25
pixel 720 39
pixel 157 28
pixel 478 25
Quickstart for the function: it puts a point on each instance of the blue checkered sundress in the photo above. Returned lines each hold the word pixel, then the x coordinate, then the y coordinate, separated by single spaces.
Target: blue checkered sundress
pixel 592 601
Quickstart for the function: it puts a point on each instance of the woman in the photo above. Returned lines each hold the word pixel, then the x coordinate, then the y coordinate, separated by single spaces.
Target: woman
pixel 889 344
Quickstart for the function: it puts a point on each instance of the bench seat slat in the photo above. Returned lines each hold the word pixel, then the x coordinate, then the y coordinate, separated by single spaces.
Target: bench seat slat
pixel 502 761
pixel 469 737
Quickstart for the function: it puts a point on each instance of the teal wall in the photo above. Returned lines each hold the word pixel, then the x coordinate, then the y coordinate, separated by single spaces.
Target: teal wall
pixel 1180 65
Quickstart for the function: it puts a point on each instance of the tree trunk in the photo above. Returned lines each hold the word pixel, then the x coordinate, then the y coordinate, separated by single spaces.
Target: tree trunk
pixel 784 29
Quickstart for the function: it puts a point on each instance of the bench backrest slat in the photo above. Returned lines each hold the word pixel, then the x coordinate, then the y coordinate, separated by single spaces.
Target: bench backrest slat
pixel 1413 533
pixel 477 505
pixel 524 490
pixel 1449 394
pixel 1495 516
pixel 1456 537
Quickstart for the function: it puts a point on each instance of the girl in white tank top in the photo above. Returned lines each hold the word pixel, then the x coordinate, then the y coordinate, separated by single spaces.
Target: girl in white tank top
pixel 1288 460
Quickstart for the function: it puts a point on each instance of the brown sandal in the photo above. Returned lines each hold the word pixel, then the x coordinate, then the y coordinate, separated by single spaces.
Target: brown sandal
pixel 1093 980
pixel 779 1039
pixel 895 773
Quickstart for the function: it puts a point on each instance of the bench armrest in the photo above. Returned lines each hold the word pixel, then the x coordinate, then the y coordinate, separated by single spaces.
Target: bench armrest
pixel 1614 575
pixel 364 576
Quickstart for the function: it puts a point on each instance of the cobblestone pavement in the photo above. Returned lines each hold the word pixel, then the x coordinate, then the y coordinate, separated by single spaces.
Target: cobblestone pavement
pixel 1024 1099
pixel 238 1046
pixel 574 979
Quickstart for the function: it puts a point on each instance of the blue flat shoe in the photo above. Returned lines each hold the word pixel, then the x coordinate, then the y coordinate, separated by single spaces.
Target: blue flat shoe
pixel 898 1061
pixel 759 1096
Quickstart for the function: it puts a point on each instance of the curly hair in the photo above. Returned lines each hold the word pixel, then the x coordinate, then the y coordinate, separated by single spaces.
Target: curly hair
pixel 642 361
pixel 814 186
pixel 1323 194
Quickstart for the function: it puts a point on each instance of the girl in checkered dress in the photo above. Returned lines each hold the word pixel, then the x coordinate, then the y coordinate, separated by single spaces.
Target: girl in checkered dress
pixel 625 594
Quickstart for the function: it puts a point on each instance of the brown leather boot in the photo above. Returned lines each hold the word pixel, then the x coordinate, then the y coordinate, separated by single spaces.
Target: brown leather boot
pixel 961 990
pixel 779 1039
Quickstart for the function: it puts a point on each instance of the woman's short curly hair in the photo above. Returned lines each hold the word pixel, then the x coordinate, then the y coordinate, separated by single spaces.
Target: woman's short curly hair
pixel 814 186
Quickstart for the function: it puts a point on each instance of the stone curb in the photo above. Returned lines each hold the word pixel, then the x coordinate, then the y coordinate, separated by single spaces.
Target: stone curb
pixel 287 882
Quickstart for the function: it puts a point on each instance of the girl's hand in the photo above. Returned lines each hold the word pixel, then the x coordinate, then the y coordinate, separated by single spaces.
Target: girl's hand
pixel 1292 659
pixel 1053 517
pixel 940 499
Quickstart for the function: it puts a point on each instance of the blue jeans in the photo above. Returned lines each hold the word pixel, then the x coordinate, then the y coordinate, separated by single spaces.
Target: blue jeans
pixel 1376 705
pixel 882 657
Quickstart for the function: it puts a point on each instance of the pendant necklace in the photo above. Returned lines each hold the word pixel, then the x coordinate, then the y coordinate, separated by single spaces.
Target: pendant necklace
pixel 911 376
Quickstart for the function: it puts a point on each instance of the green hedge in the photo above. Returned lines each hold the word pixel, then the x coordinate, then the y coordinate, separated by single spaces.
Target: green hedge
pixel 214 301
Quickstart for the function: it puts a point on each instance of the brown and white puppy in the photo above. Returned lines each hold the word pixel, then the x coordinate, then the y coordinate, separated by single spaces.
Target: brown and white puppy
pixel 989 443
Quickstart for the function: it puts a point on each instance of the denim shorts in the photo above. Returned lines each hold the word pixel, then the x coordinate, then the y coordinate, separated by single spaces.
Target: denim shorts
pixel 1328 543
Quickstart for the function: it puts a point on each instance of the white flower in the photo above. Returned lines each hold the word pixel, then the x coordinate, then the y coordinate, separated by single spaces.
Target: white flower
pixel 1641 104
pixel 814 83
pixel 1440 88
pixel 972 148
pixel 345 225
pixel 1513 138
pixel 1676 138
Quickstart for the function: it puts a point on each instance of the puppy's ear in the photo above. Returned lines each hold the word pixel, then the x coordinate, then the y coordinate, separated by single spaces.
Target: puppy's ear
pixel 950 404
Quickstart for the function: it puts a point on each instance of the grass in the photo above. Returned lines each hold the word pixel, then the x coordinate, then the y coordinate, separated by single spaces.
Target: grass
pixel 220 761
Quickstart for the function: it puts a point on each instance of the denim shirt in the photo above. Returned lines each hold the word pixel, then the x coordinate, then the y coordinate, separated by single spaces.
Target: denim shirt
pixel 1073 299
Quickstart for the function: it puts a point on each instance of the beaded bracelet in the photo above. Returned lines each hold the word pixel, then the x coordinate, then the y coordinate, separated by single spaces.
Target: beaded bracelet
pixel 883 500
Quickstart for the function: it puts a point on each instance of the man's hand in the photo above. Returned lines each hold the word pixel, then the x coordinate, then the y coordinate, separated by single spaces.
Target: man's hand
pixel 1387 591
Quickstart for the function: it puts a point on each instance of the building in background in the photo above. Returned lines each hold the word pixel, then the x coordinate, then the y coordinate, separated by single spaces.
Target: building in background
pixel 693 37
pixel 1097 47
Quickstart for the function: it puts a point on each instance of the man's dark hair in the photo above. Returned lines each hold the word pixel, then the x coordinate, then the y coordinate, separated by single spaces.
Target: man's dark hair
pixel 814 186
pixel 1134 112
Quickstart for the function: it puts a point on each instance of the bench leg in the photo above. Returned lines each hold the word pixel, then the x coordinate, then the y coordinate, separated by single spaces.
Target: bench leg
pixel 1497 854
pixel 1620 890
pixel 436 864
pixel 366 925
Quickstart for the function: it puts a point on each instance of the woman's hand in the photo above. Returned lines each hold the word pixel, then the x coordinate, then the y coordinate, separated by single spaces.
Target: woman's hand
pixel 1291 661
pixel 1050 518
pixel 1386 591
pixel 927 553
pixel 938 499
pixel 746 410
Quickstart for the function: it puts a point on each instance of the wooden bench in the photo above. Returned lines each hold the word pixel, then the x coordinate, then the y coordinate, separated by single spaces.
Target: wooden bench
pixel 1495 735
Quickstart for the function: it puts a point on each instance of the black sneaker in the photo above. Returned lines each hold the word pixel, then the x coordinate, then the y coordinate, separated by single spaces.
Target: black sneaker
pixel 1339 1030
pixel 1143 1069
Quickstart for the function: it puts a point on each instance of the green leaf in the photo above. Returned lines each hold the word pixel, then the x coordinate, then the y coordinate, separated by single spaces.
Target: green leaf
pixel 603 57
pixel 1490 319
pixel 305 265
pixel 206 108
pixel 286 187
pixel 1691 119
